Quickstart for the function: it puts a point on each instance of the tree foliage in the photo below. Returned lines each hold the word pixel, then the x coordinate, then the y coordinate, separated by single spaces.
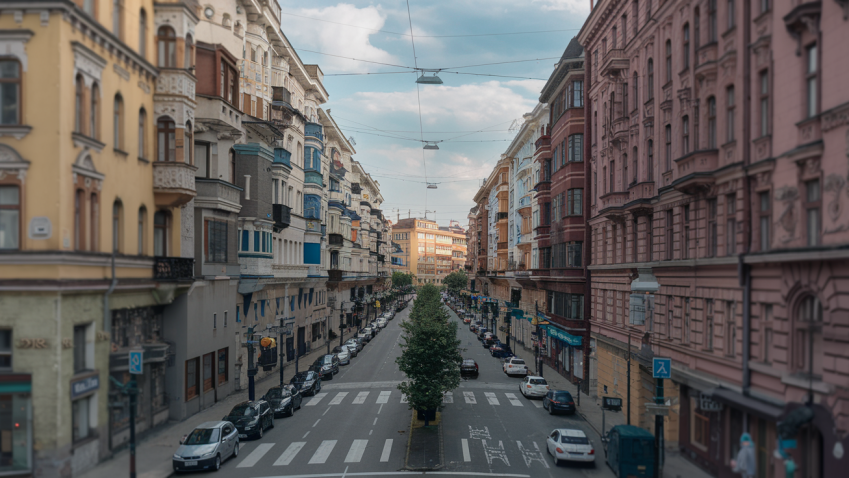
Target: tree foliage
pixel 456 281
pixel 401 279
pixel 431 356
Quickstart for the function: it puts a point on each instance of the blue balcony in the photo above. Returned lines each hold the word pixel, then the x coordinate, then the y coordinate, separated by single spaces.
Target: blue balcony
pixel 313 177
pixel 315 130
pixel 281 156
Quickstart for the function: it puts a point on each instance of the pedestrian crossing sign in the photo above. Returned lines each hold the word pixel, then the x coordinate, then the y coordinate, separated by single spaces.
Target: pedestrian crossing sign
pixel 662 367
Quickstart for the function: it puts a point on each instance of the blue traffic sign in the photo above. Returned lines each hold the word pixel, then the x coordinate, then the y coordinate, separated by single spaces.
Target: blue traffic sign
pixel 136 362
pixel 662 367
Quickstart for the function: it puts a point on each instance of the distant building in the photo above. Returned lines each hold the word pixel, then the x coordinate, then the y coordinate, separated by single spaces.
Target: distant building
pixel 428 251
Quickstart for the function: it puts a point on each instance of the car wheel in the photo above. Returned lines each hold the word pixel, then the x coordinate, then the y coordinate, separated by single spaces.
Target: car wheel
pixel 550 410
pixel 236 450
pixel 217 465
pixel 272 422
pixel 330 377
pixel 259 435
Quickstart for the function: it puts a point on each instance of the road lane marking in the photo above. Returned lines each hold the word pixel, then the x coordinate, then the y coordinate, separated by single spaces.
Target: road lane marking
pixel 470 397
pixel 361 398
pixel 375 422
pixel 404 399
pixel 384 396
pixel 532 455
pixel 387 448
pixel 317 398
pixel 513 400
pixel 466 455
pixel 355 454
pixel 448 397
pixel 478 433
pixel 490 397
pixel 255 455
pixel 290 453
pixel 325 411
pixel 380 409
pixel 316 422
pixel 320 456
pixel 493 452
pixel 537 403
pixel 305 434
pixel 338 399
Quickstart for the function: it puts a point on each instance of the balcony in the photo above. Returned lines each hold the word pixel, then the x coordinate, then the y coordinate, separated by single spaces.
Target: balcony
pixel 315 130
pixel 337 196
pixel 282 216
pixel 282 157
pixel 173 183
pixel 544 140
pixel 695 170
pixel 613 62
pixel 614 199
pixel 335 240
pixel 173 268
pixel 502 246
pixel 524 206
pixel 644 190
pixel 217 194
pixel 501 216
pixel 621 129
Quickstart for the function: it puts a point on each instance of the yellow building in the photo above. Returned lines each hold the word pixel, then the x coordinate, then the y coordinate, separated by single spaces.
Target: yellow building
pixel 96 96
pixel 428 251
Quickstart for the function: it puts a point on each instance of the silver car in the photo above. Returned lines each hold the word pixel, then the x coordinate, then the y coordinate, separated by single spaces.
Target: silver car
pixel 358 345
pixel 206 447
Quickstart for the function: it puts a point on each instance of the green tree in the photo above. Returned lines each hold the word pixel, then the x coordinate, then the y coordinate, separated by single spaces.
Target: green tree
pixel 456 281
pixel 430 356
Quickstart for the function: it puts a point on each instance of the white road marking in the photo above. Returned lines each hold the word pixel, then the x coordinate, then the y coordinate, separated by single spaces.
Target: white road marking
pixel 316 422
pixel 448 397
pixel 360 398
pixel 387 448
pixel 490 397
pixel 532 455
pixel 325 411
pixel 537 403
pixel 470 397
pixel 384 396
pixel 370 432
pixel 305 434
pixel 380 409
pixel 478 433
pixel 320 456
pixel 290 453
pixel 466 455
pixel 375 422
pixel 338 399
pixel 355 454
pixel 317 398
pixel 495 452
pixel 513 400
pixel 255 455
pixel 404 399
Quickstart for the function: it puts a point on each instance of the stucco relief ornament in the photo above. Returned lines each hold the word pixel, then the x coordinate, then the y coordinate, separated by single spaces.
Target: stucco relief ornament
pixel 787 220
pixel 834 184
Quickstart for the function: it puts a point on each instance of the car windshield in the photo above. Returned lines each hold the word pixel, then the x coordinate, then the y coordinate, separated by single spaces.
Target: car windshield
pixel 242 410
pixel 202 436
pixel 278 393
pixel 327 359
pixel 538 381
pixel 301 377
pixel 563 396
pixel 518 362
pixel 574 440
pixel 337 349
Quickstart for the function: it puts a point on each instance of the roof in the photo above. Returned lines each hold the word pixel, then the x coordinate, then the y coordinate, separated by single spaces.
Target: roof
pixel 573 49
pixel 215 424
pixel 571 432
pixel 632 431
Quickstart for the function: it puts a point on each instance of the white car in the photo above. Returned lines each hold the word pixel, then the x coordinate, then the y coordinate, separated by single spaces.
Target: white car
pixel 515 366
pixel 533 386
pixel 570 445
pixel 344 356
pixel 381 322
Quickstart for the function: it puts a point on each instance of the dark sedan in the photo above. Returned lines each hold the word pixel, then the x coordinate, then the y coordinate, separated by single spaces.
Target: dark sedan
pixel 469 367
pixel 251 418
pixel 558 401
pixel 326 366
pixel 308 383
pixel 284 400
pixel 500 350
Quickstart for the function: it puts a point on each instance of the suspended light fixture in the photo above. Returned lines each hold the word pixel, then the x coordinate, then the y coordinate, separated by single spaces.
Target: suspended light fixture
pixel 430 145
pixel 431 186
pixel 429 80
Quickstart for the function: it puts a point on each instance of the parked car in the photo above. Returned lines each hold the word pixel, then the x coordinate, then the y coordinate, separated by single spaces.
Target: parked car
pixel 343 355
pixel 357 343
pixel 472 327
pixel 351 349
pixel 515 366
pixel 558 401
pixel 284 400
pixel 469 367
pixel 500 350
pixel 481 331
pixel 382 322
pixel 488 340
pixel 570 445
pixel 364 334
pixel 467 320
pixel 370 332
pixel 307 382
pixel 326 366
pixel 251 418
pixel 533 386
pixel 206 447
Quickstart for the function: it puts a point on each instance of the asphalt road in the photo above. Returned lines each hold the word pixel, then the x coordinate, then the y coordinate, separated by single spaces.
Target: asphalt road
pixel 358 425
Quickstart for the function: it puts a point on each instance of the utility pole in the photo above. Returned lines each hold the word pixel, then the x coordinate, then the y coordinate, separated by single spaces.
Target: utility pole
pixel 251 366
pixel 136 367
pixel 280 343
pixel 539 340
pixel 629 378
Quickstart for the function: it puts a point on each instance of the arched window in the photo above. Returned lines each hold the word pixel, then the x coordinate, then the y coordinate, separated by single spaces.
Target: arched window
pixel 166 139
pixel 142 133
pixel 79 220
pixel 160 233
pixel 141 234
pixel 686 52
pixel 79 106
pixel 10 85
pixel 142 33
pixel 118 123
pixel 188 61
pixel 117 226
pixel 166 41
pixel 93 112
pixel 650 82
pixel 807 337
pixel 668 61
pixel 188 140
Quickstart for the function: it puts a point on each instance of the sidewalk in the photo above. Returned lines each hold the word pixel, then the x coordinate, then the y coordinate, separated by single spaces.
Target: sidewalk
pixel 154 452
pixel 675 465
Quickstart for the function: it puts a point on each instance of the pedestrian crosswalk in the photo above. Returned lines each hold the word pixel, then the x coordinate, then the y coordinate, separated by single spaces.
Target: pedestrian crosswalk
pixel 365 397
pixel 322 452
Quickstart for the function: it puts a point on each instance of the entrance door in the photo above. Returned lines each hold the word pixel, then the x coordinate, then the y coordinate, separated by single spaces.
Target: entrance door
pixel 302 342
pixel 290 348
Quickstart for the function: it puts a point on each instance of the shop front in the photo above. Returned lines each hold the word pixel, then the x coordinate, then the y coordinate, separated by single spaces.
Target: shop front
pixel 564 352
pixel 15 424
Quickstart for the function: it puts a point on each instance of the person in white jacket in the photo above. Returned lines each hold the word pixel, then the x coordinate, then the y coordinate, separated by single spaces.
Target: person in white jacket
pixel 746 463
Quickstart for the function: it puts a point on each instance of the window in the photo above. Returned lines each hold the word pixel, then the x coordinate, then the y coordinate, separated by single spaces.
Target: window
pixel 166 47
pixel 624 30
pixel 576 148
pixel 635 9
pixel 208 364
pixel 697 29
pixel 577 100
pixel 636 90
pixel 5 349
pixel 813 200
pixel 731 224
pixel 79 106
pixel 192 378
pixel 729 119
pixel 81 417
pixel 233 169
pixel 117 18
pixel 669 235
pixel 81 348
pixel 118 123
pixel 166 139
pixel 811 80
pixel 764 5
pixel 223 360
pixel 613 38
pixel 650 82
pixel 10 92
pixel 731 7
pixel 712 229
pixel 142 219
pixel 189 51
pixel 570 306
pixel 686 52
pixel 765 219
pixel 117 225
pixel 160 233
pixel 79 219
pixel 93 112
pixel 574 203
pixel 650 160
pixel 668 155
pixel 612 176
pixel 685 240
pixel 625 102
pixel 624 171
pixel 648 11
pixel 711 122
pixel 709 324
pixel 731 329
pixel 142 133
pixel 807 337
pixel 764 81
pixel 711 20
pixel 142 33
pixel 700 426
pixel 216 243
pixel 668 61
pixel 685 135
pixel 574 253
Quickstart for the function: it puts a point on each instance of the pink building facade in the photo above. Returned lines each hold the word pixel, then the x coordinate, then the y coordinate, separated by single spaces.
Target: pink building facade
pixel 718 139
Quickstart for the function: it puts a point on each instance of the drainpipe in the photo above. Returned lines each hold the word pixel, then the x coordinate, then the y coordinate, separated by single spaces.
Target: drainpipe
pixel 743 269
pixel 107 319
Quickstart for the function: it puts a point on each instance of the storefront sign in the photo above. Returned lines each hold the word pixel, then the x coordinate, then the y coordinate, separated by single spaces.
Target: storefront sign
pixel 84 386
pixel 707 404
pixel 562 335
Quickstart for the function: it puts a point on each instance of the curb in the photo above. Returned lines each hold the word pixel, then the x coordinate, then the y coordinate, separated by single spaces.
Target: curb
pixel 441 449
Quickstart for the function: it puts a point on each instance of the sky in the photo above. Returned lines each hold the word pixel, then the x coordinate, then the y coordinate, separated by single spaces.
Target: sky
pixel 470 115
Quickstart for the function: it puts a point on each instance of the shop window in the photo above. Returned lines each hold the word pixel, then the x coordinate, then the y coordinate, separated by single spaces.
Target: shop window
pixel 192 384
pixel 699 426
pixel 208 367
pixel 223 360
pixel 6 350
pixel 81 417
pixel 10 92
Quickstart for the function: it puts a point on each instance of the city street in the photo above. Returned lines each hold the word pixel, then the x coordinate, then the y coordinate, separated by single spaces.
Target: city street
pixel 358 424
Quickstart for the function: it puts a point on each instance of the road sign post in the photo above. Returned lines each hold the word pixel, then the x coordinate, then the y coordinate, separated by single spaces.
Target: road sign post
pixel 661 369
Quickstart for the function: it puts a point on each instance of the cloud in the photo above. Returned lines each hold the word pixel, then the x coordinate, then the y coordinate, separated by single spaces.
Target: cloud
pixel 574 6
pixel 338 39
pixel 532 86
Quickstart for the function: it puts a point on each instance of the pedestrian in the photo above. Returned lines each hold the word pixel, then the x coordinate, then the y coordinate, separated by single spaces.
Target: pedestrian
pixel 745 463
